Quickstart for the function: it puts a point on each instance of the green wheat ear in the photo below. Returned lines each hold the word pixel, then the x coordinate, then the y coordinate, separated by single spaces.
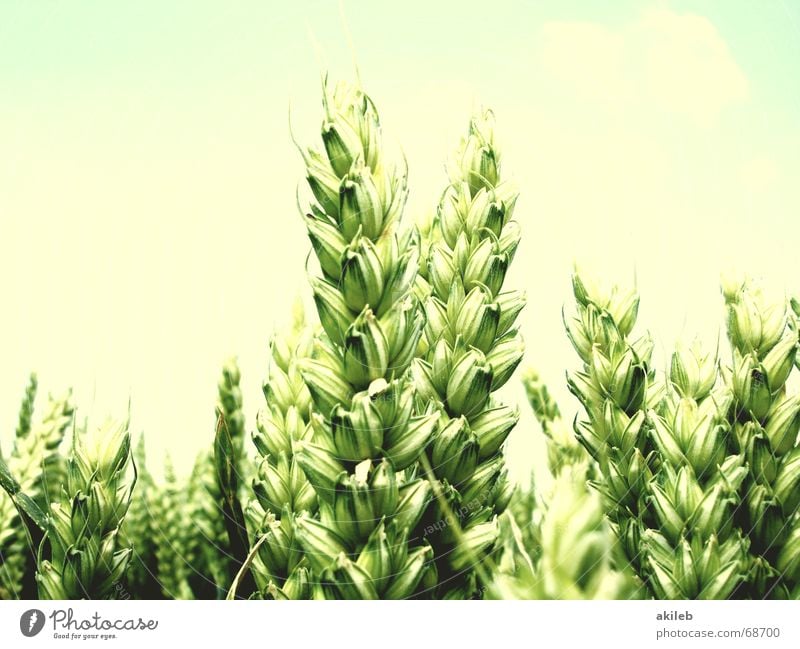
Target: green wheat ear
pixel 14 554
pixel 560 545
pixel 26 407
pixel 281 489
pixel 765 418
pixel 366 438
pixel 229 460
pixel 36 463
pixel 563 448
pixel 693 550
pixel 577 559
pixel 469 349
pixel 176 523
pixel 615 386
pixel 83 557
pixel 207 534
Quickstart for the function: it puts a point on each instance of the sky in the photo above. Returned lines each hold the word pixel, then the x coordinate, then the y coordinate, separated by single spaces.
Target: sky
pixel 148 179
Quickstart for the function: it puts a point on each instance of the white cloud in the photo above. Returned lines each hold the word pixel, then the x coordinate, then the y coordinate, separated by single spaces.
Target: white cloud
pixel 675 62
pixel 688 65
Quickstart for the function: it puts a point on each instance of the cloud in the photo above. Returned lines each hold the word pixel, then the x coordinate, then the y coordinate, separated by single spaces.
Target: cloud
pixel 688 65
pixel 662 60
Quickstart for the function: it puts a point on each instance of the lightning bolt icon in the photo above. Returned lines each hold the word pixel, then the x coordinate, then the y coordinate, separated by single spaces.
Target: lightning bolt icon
pixel 32 620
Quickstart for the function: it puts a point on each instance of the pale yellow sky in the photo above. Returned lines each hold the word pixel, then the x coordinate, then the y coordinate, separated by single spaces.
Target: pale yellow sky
pixel 147 184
